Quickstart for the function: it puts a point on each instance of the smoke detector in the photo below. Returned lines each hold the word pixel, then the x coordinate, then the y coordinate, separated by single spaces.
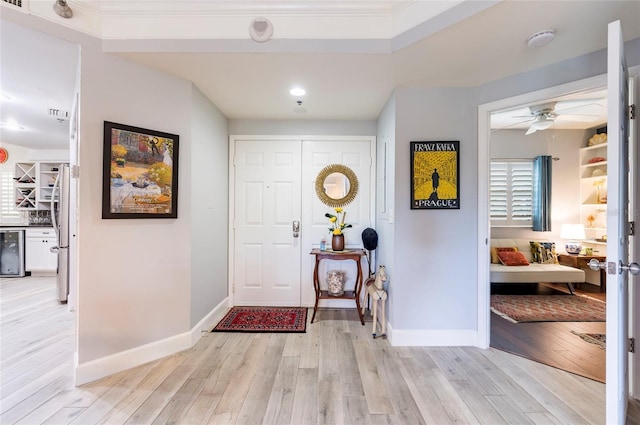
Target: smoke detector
pixel 299 109
pixel 62 9
pixel 260 30
pixel 541 38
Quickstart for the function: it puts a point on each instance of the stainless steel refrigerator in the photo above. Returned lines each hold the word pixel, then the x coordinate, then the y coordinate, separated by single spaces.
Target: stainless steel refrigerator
pixel 60 219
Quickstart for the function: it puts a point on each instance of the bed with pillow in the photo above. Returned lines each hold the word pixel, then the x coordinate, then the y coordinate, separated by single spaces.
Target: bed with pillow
pixel 530 261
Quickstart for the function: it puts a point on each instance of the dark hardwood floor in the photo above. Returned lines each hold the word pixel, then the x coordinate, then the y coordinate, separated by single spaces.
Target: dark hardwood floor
pixel 551 343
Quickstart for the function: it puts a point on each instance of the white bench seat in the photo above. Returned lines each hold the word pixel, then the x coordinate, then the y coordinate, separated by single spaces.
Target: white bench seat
pixel 534 272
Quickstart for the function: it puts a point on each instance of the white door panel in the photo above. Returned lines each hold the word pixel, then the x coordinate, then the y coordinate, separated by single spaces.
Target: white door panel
pixel 267 201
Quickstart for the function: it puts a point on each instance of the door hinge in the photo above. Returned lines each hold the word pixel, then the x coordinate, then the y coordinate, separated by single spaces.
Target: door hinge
pixel 632 345
pixel 632 112
pixel 631 228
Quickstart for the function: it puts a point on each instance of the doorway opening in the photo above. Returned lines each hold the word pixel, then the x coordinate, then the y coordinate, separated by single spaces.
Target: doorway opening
pixel 46 139
pixel 557 122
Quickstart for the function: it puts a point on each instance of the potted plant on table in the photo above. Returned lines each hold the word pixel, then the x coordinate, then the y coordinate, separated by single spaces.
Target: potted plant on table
pixel 338 225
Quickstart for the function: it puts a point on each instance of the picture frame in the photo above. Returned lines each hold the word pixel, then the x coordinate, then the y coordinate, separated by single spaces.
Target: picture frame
pixel 435 175
pixel 140 173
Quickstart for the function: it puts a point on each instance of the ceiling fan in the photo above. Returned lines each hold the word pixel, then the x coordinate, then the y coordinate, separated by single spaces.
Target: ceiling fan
pixel 543 116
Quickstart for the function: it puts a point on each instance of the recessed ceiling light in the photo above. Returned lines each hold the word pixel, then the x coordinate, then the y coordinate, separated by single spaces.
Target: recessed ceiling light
pixel 541 38
pixel 11 126
pixel 297 91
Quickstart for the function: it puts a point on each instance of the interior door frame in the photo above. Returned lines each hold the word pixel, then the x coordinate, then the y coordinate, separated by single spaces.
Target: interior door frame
pixel 232 140
pixel 484 223
pixel 634 248
pixel 484 162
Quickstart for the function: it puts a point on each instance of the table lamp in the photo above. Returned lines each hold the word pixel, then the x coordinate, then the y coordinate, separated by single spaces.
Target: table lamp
pixel 574 233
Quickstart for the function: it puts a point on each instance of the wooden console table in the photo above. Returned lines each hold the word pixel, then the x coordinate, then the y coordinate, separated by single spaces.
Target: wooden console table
pixel 352 254
pixel 582 262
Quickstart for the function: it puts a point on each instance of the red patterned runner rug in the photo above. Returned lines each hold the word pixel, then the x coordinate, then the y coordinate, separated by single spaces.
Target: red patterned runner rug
pixel 548 308
pixel 264 319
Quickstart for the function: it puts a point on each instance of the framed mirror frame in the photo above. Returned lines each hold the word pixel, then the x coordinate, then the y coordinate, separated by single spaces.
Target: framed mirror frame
pixel 353 185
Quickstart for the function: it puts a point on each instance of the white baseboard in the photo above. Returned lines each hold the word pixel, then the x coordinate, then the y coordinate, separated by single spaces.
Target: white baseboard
pixel 210 320
pixel 432 338
pixel 114 363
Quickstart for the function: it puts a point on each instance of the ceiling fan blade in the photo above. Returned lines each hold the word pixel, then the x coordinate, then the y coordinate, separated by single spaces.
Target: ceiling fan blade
pixel 591 106
pixel 516 124
pixel 530 131
pixel 577 118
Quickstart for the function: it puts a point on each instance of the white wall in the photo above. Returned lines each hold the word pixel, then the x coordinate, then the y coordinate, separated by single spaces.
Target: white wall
pixel 48 155
pixel 434 273
pixel 209 209
pixel 303 127
pixel 134 277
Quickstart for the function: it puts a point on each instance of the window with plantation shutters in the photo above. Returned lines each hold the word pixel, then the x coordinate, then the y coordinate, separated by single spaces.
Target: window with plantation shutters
pixel 511 193
pixel 8 212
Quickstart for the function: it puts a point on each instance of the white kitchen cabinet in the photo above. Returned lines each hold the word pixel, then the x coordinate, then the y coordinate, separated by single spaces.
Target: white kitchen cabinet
pixel 39 257
pixel 34 184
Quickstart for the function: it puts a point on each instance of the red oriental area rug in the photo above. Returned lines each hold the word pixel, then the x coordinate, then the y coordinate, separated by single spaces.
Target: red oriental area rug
pixel 548 308
pixel 264 319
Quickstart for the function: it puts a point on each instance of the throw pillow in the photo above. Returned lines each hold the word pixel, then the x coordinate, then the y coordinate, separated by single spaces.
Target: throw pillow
pixel 512 258
pixel 495 250
pixel 535 251
pixel 543 252
pixel 547 253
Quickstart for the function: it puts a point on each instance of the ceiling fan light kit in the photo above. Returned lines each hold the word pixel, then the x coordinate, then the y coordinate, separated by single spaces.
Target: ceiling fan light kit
pixel 541 38
pixel 542 122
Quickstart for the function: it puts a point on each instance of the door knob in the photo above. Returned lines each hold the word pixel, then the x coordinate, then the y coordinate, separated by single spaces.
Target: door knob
pixel 296 228
pixel 632 268
pixel 596 265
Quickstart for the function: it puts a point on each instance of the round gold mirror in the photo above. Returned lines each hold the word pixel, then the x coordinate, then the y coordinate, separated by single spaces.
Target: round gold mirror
pixel 336 185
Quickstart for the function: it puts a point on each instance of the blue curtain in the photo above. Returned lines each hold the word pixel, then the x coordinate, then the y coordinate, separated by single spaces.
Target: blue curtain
pixel 542 193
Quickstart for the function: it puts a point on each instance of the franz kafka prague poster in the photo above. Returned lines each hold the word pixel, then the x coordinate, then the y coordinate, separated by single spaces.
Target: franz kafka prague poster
pixel 435 175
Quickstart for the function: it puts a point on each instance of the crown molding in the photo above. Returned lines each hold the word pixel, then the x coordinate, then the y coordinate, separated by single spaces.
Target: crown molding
pixel 219 20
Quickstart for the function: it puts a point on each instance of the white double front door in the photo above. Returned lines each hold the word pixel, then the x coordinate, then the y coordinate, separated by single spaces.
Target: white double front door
pixel 272 181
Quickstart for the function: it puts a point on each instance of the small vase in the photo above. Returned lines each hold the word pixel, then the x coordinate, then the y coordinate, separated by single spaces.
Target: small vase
pixel 337 242
pixel 335 283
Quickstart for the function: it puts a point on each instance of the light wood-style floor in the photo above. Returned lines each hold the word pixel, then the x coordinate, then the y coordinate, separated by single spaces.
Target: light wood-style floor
pixel 335 373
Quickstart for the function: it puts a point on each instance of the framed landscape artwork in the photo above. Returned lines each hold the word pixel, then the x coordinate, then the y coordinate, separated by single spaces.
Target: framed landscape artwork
pixel 140 173
pixel 435 175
